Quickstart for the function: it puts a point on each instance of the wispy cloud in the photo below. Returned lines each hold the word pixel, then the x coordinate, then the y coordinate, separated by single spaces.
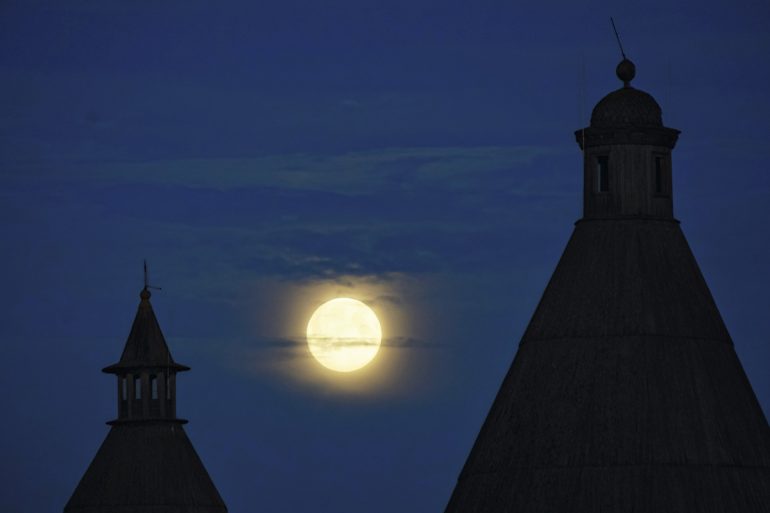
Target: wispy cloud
pixel 355 173
pixel 278 349
pixel 304 217
pixel 292 364
pixel 411 343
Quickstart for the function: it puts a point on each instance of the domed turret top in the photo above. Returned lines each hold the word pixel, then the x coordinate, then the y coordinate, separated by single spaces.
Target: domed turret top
pixel 627 106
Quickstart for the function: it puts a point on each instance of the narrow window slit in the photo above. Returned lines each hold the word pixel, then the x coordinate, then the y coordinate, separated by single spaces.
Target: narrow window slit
pixel 602 174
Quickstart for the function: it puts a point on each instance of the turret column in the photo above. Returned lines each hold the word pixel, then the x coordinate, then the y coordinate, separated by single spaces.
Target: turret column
pixel 131 389
pixel 162 393
pixel 146 372
pixel 627 155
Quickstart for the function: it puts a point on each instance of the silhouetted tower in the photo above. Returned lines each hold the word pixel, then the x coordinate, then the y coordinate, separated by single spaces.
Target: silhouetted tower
pixel 626 394
pixel 146 464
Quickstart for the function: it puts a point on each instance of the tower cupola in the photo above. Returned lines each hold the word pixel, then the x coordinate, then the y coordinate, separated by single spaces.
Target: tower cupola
pixel 627 155
pixel 146 464
pixel 146 371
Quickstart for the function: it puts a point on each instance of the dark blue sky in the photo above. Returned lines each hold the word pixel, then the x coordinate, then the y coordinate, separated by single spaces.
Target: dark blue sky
pixel 266 156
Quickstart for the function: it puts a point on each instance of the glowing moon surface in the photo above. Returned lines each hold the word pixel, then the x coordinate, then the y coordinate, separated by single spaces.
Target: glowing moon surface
pixel 344 334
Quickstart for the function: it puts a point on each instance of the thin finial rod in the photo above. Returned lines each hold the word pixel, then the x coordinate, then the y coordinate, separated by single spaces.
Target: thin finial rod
pixel 618 38
pixel 147 278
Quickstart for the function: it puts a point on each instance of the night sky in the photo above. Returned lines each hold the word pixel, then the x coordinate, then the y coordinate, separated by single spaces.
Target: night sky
pixel 265 156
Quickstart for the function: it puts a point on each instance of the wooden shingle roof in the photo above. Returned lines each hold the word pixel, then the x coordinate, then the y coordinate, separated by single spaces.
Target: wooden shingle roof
pixel 146 468
pixel 146 464
pixel 626 394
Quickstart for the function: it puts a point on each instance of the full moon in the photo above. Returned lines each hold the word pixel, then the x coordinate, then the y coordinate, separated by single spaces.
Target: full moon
pixel 344 334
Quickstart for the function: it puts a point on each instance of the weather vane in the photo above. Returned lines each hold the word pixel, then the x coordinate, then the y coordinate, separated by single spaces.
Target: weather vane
pixel 618 38
pixel 146 278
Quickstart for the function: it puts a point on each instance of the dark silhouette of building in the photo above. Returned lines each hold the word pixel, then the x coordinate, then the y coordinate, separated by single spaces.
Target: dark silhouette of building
pixel 146 464
pixel 626 394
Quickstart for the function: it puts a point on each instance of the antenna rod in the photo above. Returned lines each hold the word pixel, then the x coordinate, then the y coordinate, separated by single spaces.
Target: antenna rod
pixel 147 280
pixel 618 38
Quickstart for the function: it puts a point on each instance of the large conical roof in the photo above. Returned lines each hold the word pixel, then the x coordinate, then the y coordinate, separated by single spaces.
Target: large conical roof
pixel 146 468
pixel 146 464
pixel 626 394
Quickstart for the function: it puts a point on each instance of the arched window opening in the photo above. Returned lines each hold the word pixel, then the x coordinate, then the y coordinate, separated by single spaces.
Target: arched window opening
pixel 138 387
pixel 154 387
pixel 124 387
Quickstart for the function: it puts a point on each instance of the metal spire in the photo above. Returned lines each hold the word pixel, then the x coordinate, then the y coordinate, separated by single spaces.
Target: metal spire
pixel 618 38
pixel 147 285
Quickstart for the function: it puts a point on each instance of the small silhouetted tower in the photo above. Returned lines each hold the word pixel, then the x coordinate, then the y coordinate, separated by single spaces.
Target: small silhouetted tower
pixel 626 394
pixel 146 464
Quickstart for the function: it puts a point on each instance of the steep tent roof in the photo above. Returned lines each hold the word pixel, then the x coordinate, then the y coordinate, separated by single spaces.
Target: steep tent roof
pixel 146 346
pixel 626 394
pixel 625 391
pixel 150 468
pixel 146 464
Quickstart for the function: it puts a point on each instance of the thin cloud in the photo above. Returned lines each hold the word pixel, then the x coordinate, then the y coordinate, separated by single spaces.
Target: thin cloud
pixel 386 299
pixel 354 173
pixel 281 349
pixel 410 343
